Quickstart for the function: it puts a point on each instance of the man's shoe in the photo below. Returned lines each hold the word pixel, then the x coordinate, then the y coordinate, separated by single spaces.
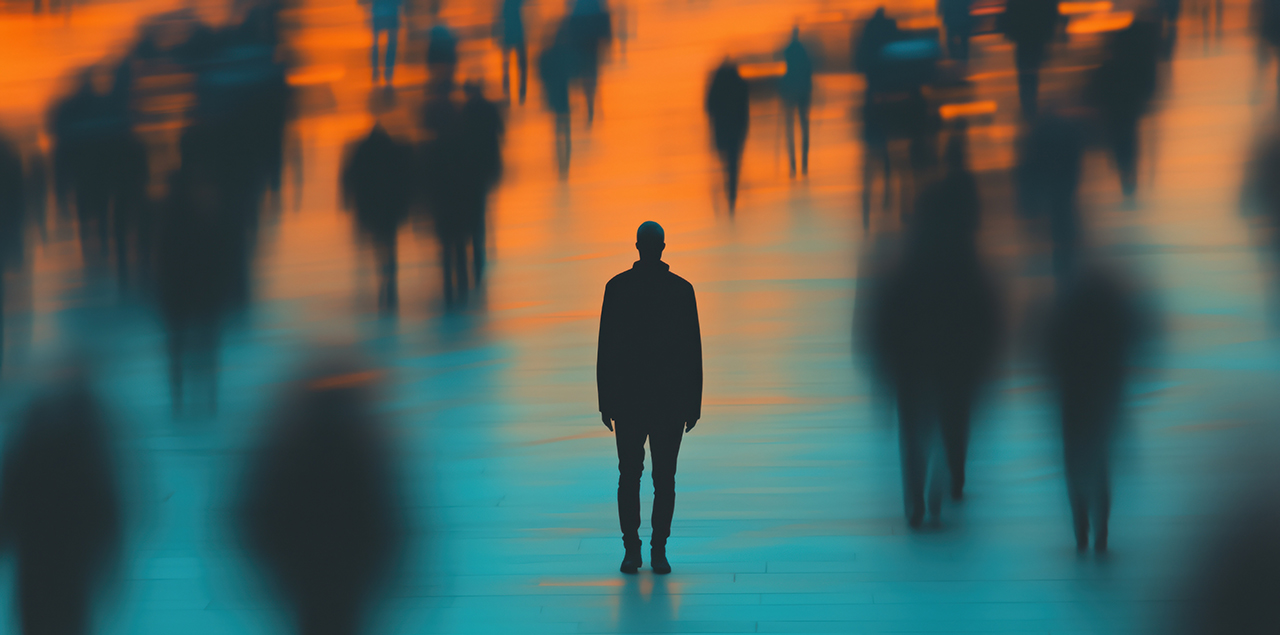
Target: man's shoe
pixel 631 562
pixel 658 560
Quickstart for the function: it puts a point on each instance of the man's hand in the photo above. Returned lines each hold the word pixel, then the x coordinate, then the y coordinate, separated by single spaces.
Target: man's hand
pixel 608 423
pixel 688 425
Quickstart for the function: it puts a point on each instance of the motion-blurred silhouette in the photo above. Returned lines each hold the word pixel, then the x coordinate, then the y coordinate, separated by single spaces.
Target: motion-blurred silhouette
pixel 320 508
pixel 60 508
pixel 796 90
pixel 482 130
pixel 1121 89
pixel 588 35
pixel 1031 25
pixel 512 40
pixel 1050 160
pixel 442 61
pixel 958 20
pixel 555 70
pixel 868 48
pixel 15 198
pixel 1265 15
pixel 384 17
pixel 933 325
pixel 649 378
pixel 378 185
pixel 729 107
pixel 1093 334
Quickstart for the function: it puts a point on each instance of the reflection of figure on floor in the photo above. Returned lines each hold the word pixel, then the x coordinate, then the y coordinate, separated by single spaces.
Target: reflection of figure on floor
pixel 729 107
pixel 1121 89
pixel 932 322
pixel 384 17
pixel 796 90
pixel 649 377
pixel 512 40
pixel 60 508
pixel 378 185
pixel 1050 160
pixel 958 20
pixel 320 510
pixel 554 68
pixel 1092 337
pixel 1031 25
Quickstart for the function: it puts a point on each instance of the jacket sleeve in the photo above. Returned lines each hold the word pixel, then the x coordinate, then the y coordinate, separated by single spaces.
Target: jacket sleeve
pixel 607 353
pixel 693 403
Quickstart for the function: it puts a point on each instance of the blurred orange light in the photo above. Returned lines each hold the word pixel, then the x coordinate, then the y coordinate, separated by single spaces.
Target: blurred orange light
pixel 763 70
pixel 1101 23
pixel 1081 8
pixel 956 111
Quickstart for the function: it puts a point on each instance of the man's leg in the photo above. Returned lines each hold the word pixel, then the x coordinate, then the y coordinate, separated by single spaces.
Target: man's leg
pixel 629 436
pixel 522 67
pixel 664 444
pixel 788 121
pixel 913 441
pixel 955 437
pixel 374 61
pixel 803 107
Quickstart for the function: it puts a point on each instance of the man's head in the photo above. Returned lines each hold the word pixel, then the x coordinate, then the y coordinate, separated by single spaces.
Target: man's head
pixel 650 240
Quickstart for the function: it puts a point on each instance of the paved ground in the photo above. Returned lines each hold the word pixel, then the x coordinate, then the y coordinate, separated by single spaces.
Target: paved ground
pixel 789 513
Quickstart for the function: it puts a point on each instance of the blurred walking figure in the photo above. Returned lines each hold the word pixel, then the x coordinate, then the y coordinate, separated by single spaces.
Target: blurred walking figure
pixel 320 509
pixel 868 49
pixel 932 321
pixel 385 18
pixel 1050 161
pixel 60 508
pixel 729 107
pixel 555 68
pixel 1093 334
pixel 442 60
pixel 1031 25
pixel 1265 15
pixel 1168 11
pixel 796 90
pixel 588 34
pixel 378 181
pixel 1121 89
pixel 958 20
pixel 511 36
pixel 482 130
pixel 649 377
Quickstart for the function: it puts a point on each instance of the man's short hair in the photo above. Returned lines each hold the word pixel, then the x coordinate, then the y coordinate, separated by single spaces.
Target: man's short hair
pixel 650 233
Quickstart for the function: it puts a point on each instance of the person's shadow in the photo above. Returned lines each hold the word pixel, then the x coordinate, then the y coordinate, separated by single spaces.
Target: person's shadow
pixel 646 605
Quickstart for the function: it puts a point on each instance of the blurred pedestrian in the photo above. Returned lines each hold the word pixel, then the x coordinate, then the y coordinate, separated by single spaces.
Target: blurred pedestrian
pixel 649 377
pixel 958 21
pixel 1265 15
pixel 60 508
pixel 868 48
pixel 1050 160
pixel 933 325
pixel 483 130
pixel 384 16
pixel 378 184
pixel 796 90
pixel 512 41
pixel 588 34
pixel 729 108
pixel 320 510
pixel 1031 25
pixel 554 69
pixel 442 60
pixel 1121 90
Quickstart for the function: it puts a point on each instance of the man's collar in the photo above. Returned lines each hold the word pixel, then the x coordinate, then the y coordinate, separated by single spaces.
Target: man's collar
pixel 645 265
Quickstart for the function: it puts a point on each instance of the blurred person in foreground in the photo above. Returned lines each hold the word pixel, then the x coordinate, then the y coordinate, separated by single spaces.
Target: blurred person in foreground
pixel 1094 332
pixel 1031 25
pixel 60 507
pixel 1121 90
pixel 320 510
pixel 20 196
pixel 796 90
pixel 932 323
pixel 649 380
pixel 378 179
pixel 729 108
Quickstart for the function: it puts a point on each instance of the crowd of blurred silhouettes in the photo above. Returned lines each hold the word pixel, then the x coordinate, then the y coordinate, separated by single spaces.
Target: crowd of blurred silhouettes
pixel 320 510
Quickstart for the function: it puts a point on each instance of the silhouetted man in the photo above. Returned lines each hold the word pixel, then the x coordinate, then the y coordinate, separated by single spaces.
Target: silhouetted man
pixel 796 89
pixel 59 508
pixel 320 510
pixel 1030 24
pixel 649 376
pixel 729 107
pixel 378 184
pixel 934 325
pixel 1092 337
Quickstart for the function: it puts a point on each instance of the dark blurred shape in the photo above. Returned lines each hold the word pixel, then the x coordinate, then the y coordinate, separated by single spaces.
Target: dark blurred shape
pixel 1093 335
pixel 378 185
pixel 60 507
pixel 1031 25
pixel 1265 15
pixel 932 323
pixel 555 68
pixel 384 17
pixel 958 20
pixel 796 90
pixel 649 380
pixel 1121 89
pixel 588 32
pixel 320 508
pixel 442 60
pixel 101 165
pixel 512 40
pixel 1050 160
pixel 21 193
pixel 868 48
pixel 729 107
